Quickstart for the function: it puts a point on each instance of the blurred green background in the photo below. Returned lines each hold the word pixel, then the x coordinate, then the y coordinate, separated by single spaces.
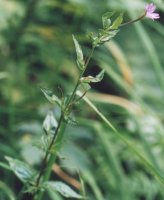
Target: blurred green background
pixel 36 49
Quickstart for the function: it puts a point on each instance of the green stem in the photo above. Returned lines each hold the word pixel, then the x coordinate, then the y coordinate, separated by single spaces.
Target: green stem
pixel 49 158
pixel 133 21
pixel 80 76
pixel 49 148
pixel 46 161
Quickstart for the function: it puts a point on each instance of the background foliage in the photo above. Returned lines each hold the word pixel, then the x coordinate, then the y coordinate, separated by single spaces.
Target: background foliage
pixel 36 49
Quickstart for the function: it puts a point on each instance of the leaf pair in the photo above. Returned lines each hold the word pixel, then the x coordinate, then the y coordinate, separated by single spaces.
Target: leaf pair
pixel 108 31
pixel 26 174
pixel 51 97
pixel 107 21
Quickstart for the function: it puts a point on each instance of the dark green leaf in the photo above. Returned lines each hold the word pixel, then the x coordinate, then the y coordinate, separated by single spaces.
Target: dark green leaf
pixel 21 169
pixel 52 98
pixel 63 189
pixel 106 19
pixel 117 22
pixel 79 53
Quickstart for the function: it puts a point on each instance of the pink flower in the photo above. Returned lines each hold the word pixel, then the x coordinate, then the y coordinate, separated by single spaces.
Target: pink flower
pixel 150 8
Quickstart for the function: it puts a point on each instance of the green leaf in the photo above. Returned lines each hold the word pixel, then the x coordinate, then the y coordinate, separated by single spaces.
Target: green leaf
pixel 52 98
pixel 91 79
pixel 50 123
pixel 106 19
pixel 79 53
pixel 63 189
pixel 54 195
pixel 117 22
pixel 24 172
pixel 106 36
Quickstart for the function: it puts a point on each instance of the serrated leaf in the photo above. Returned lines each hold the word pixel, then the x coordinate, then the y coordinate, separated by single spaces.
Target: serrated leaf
pixel 50 123
pixel 106 19
pixel 117 22
pixel 62 188
pixel 23 171
pixel 91 79
pixel 79 53
pixel 52 98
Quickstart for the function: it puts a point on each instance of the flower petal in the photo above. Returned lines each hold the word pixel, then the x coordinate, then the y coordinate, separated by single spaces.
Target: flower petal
pixel 150 8
pixel 155 15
